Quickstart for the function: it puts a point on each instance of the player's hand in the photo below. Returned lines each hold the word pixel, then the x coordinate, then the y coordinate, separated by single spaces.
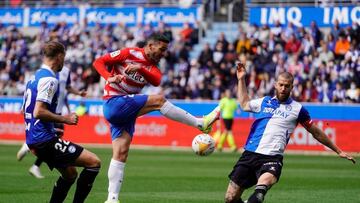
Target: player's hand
pixel 83 93
pixel 115 79
pixel 132 68
pixel 346 156
pixel 71 119
pixel 240 70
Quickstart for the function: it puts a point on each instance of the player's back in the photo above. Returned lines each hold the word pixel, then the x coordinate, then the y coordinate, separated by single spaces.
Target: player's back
pixel 43 87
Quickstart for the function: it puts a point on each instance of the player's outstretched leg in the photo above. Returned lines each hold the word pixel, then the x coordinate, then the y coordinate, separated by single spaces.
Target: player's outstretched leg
pixel 22 152
pixel 166 108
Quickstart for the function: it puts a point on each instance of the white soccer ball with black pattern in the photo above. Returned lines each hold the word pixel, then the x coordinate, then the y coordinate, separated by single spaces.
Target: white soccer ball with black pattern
pixel 203 145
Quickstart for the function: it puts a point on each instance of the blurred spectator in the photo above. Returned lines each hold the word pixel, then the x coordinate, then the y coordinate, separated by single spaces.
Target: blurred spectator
pixel 81 109
pixel 342 46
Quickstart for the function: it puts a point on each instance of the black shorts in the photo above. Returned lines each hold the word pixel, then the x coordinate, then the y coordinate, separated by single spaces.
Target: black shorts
pixel 228 123
pixel 252 165
pixel 57 153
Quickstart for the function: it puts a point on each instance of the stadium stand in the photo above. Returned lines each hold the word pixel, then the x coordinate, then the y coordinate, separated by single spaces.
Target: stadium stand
pixel 325 62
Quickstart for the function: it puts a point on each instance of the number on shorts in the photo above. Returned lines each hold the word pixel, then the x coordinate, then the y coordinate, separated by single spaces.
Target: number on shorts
pixel 62 145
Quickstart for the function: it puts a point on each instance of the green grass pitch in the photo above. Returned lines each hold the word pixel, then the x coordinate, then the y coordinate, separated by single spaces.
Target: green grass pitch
pixel 165 176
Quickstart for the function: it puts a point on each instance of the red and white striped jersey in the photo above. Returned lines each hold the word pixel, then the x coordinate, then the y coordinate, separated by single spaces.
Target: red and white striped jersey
pixel 114 63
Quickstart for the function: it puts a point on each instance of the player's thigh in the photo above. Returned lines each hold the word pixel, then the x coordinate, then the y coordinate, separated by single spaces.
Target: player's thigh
pixel 121 146
pixel 153 103
pixel 87 159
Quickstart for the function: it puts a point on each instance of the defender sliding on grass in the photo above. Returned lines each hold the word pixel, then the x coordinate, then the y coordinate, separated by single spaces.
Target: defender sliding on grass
pixel 261 162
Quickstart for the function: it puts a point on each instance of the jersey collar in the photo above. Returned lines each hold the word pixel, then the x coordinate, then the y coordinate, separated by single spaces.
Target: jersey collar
pixel 47 68
pixel 288 101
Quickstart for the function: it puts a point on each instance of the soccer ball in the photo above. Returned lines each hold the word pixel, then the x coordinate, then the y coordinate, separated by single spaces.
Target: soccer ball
pixel 203 145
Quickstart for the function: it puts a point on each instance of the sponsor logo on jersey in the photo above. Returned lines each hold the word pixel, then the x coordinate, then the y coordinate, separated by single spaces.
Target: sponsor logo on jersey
pixel 277 112
pixel 115 53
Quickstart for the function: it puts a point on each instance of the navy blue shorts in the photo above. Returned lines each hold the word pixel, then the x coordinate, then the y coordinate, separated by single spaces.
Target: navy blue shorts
pixel 121 112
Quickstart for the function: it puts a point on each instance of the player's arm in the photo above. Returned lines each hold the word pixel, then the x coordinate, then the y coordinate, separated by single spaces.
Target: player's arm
pixel 72 90
pixel 42 112
pixel 242 93
pixel 47 88
pixel 319 135
pixel 100 64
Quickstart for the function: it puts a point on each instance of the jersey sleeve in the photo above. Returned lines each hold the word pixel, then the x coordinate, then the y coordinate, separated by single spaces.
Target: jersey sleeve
pixel 46 88
pixel 304 118
pixel 255 104
pixel 110 59
pixel 152 75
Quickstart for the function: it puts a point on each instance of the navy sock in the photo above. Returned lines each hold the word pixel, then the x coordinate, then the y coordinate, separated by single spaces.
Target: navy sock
pixel 84 183
pixel 38 162
pixel 60 190
pixel 259 194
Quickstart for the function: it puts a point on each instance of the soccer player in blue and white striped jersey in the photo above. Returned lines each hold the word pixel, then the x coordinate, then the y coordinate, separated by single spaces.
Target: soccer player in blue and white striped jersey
pixel 276 118
pixel 40 102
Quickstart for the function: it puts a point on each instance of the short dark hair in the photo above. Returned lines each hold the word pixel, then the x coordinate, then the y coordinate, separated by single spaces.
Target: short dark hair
pixel 158 38
pixel 52 48
pixel 287 76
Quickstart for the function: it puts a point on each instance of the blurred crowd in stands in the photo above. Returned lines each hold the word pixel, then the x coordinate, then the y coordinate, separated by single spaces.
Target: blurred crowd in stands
pixel 326 65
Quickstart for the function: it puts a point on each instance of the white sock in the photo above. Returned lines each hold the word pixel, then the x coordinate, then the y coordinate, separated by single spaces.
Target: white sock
pixel 177 114
pixel 115 175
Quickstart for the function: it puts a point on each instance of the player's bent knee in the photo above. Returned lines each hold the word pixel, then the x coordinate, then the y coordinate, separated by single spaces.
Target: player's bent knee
pixel 229 198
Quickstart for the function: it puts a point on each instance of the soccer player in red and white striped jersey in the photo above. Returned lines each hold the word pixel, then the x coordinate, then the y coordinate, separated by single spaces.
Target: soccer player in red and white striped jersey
pixel 126 72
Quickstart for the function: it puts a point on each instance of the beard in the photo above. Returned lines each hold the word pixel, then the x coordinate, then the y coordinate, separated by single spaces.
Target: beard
pixel 282 97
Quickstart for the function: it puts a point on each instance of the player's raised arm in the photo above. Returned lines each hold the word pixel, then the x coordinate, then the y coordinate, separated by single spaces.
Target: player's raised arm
pixel 242 93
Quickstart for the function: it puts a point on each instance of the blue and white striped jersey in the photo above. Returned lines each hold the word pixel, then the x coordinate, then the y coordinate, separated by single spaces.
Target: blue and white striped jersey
pixel 43 86
pixel 274 124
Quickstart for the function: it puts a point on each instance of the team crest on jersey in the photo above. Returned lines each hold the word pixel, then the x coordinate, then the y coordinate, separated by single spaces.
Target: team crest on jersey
pixel 115 53
pixel 50 90
pixel 288 107
pixel 137 54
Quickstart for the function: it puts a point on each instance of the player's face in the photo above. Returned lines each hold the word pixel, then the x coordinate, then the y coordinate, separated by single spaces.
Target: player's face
pixel 283 88
pixel 59 62
pixel 157 51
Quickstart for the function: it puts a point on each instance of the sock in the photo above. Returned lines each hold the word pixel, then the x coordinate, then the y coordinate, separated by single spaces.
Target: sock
pixel 216 136
pixel 115 175
pixel 230 140
pixel 38 162
pixel 84 183
pixel 259 194
pixel 222 140
pixel 60 190
pixel 177 114
pixel 237 201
